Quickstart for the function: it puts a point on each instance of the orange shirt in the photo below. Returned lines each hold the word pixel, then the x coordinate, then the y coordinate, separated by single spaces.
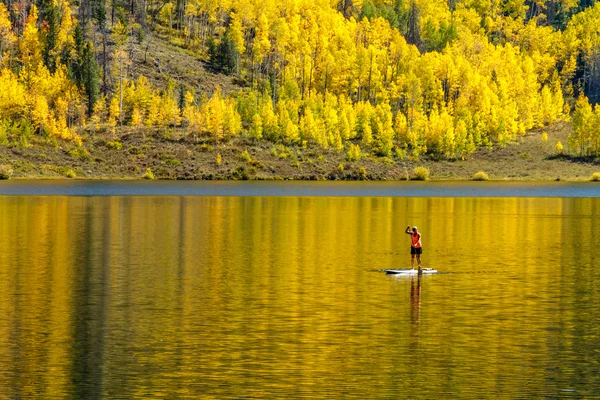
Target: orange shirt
pixel 415 240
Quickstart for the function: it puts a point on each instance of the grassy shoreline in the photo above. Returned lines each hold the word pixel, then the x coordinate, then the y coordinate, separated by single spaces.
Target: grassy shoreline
pixel 172 154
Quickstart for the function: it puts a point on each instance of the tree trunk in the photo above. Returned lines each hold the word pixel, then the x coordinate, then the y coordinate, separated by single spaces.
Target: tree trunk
pixel 104 84
pixel 121 90
pixel 370 77
pixel 347 8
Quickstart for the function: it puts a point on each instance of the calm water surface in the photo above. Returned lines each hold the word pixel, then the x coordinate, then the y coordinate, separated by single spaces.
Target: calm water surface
pixel 265 297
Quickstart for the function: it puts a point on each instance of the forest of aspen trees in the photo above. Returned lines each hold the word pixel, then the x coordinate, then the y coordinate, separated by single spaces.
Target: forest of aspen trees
pixel 392 78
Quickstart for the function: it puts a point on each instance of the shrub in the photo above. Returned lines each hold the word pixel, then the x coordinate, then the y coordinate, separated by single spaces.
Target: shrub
pixel 134 150
pixel 595 177
pixel 387 161
pixel 148 174
pixel 115 145
pixel 353 153
pixel 284 152
pixel 6 171
pixel 481 176
pixel 205 147
pixel 400 153
pixel 246 156
pixel 173 162
pixel 258 164
pixel 79 153
pixel 219 159
pixel 420 174
pixel 3 134
pixel 362 174
pixel 558 148
pixel 69 173
pixel 544 137
pixel 239 174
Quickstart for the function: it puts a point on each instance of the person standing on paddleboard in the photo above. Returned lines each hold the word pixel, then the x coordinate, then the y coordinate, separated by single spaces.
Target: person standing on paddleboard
pixel 415 246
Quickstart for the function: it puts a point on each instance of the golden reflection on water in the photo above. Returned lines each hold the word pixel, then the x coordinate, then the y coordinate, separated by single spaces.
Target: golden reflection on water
pixel 220 297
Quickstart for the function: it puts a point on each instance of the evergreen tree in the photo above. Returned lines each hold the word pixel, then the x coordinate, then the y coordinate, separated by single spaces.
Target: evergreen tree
pixel 91 78
pixel 413 35
pixel 181 101
pixel 76 67
pixel 52 27
pixel 223 55
pixel 99 13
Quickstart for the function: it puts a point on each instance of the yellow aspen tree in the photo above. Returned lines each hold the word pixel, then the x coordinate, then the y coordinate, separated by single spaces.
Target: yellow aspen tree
pixel 595 132
pixel 461 137
pixel 212 115
pixel 558 101
pixel 401 128
pixel 448 137
pixel 331 121
pixel 384 134
pixel 12 95
pixel 136 117
pixel 40 113
pixel 30 47
pixel 347 118
pixel 189 111
pixel 582 119
pixel 270 127
pixel 262 45
pixel 364 130
pixel 308 125
pixel 99 113
pixel 236 35
pixel 153 112
pixel 67 26
pixel 114 111
pixel 321 132
pixel 344 129
pixel 140 93
pixel 232 121
pixel 61 107
pixel 289 130
pixel 256 128
pixel 169 111
pixel 547 106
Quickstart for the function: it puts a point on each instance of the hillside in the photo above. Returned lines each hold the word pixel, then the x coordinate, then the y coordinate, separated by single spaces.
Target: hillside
pixel 378 80
pixel 174 155
pixel 164 61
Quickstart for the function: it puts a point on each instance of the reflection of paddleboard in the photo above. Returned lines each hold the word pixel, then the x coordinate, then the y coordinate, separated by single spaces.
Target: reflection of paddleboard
pixel 410 271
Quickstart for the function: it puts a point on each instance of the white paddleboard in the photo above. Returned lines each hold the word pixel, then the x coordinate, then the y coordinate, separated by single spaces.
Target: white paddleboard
pixel 426 271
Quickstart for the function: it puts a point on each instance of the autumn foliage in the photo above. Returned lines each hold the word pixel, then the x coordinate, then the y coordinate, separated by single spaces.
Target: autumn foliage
pixel 382 77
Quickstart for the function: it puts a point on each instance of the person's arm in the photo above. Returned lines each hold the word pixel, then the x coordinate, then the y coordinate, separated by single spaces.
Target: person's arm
pixel 407 230
pixel 419 242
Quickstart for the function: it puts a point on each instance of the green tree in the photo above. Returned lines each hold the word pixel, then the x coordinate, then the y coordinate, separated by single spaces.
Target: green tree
pixel 52 23
pixel 223 54
pixel 91 78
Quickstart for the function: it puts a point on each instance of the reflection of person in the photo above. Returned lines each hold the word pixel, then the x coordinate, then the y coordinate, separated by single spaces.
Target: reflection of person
pixel 415 246
pixel 415 302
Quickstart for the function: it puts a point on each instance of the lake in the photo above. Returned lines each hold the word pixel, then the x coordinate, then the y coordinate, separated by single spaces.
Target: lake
pixel 222 293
